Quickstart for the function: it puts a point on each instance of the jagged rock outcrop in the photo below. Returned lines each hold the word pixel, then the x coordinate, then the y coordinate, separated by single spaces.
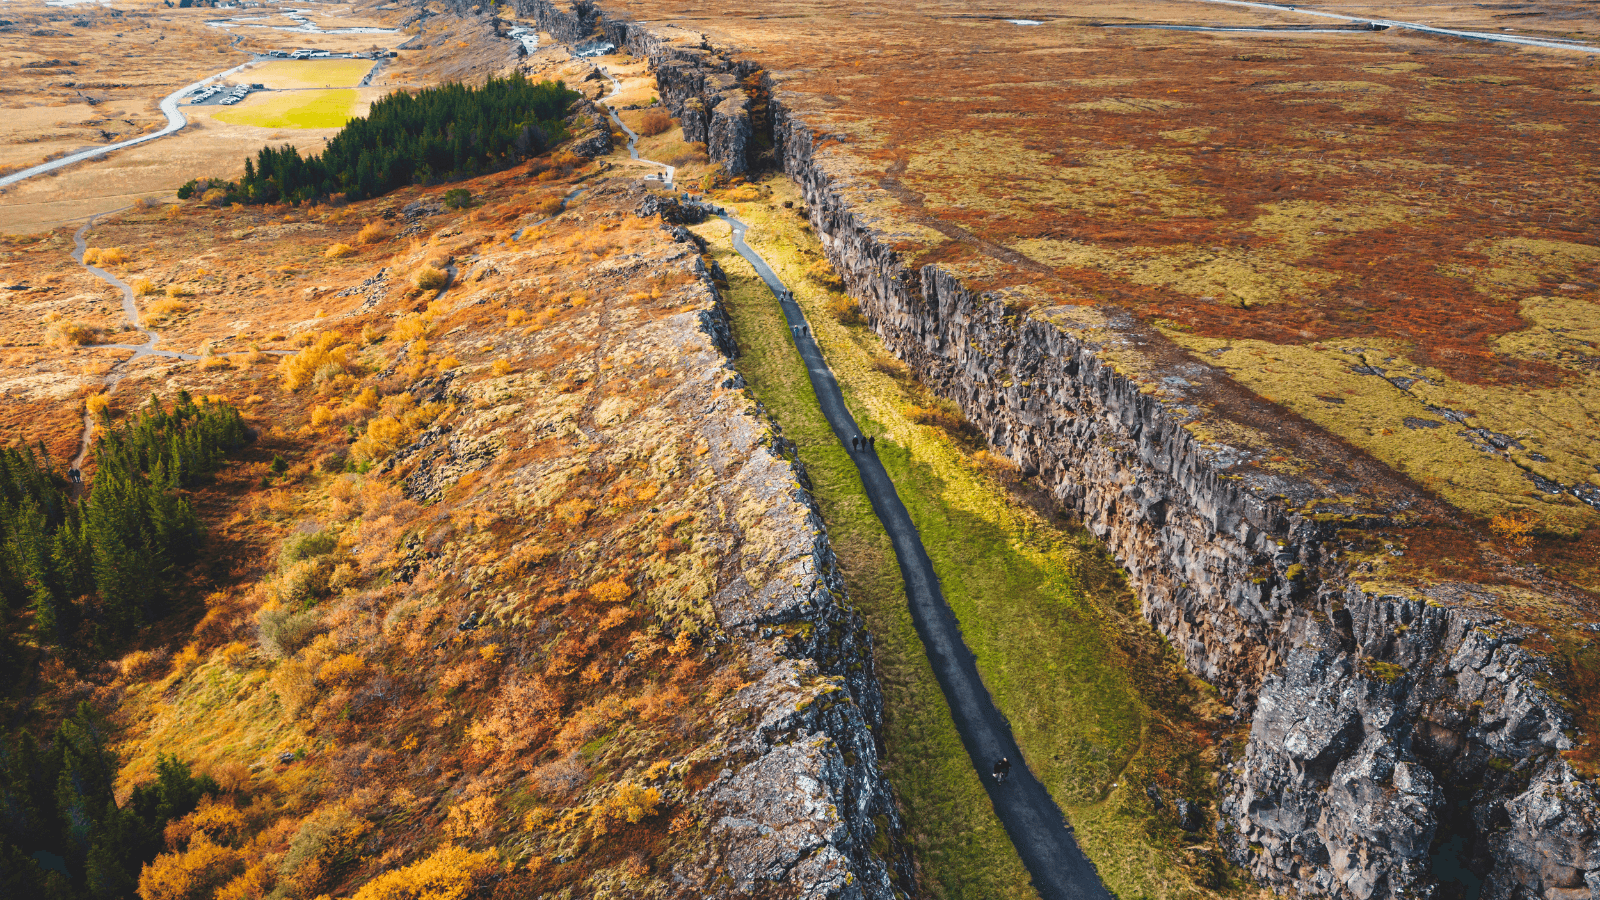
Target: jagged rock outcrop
pixel 592 130
pixel 700 84
pixel 787 777
pixel 1392 738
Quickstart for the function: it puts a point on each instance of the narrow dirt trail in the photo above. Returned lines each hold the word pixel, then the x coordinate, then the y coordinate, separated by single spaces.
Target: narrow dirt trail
pixel 1489 36
pixel 130 309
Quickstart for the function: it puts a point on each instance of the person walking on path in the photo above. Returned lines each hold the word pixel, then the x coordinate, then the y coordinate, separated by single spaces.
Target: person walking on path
pixel 1001 770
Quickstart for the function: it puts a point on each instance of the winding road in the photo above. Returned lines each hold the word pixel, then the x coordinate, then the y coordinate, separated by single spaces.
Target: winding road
pixel 1547 43
pixel 175 123
pixel 1030 815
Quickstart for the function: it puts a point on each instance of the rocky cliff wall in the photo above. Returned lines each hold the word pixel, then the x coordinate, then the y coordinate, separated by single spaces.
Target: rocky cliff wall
pixel 802 808
pixel 1378 723
pixel 1393 739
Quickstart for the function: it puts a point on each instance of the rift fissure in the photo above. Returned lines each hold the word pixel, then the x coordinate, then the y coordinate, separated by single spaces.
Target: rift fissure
pixel 1397 745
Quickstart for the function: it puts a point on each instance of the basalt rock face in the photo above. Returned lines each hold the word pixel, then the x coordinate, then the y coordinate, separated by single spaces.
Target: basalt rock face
pixel 1382 727
pixel 1393 740
pixel 700 84
pixel 592 137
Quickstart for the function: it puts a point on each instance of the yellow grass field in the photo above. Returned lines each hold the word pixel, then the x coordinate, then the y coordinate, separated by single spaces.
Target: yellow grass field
pixel 301 109
pixel 289 74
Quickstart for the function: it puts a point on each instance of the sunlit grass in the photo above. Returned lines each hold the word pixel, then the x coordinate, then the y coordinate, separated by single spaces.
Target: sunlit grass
pixel 298 109
pixel 1047 615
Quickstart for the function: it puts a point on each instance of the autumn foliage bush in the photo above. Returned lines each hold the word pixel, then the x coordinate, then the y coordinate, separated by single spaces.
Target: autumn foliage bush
pixel 429 278
pixel 326 355
pixel 845 310
pixel 654 122
pixel 373 233
pixel 450 873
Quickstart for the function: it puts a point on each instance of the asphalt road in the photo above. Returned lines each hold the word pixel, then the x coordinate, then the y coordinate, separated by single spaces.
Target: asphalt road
pixel 176 120
pixel 1494 37
pixel 1035 824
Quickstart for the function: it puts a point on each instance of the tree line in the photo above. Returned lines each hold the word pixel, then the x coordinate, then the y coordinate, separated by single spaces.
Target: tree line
pixel 63 835
pixel 436 134
pixel 102 568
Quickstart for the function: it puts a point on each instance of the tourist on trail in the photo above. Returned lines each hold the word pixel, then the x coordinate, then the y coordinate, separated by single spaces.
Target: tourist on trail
pixel 1001 770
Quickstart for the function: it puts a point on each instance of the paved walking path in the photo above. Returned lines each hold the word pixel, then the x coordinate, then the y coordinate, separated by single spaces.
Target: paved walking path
pixel 1030 815
pixel 1035 824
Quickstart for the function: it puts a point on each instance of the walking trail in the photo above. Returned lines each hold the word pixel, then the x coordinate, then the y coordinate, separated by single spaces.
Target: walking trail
pixel 130 309
pixel 1030 815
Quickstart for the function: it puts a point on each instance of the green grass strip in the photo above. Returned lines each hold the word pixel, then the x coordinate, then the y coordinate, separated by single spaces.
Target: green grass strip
pixel 1099 704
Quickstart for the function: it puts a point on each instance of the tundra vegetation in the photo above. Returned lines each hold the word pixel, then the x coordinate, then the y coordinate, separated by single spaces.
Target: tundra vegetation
pixel 386 672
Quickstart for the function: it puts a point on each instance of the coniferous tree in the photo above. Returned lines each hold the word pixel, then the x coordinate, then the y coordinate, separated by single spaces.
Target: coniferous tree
pixel 450 131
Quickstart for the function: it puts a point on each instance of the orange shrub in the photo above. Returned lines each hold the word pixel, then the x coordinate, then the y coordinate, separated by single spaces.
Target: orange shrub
pixel 372 233
pixel 654 122
pixel 339 251
pixel 431 279
pixel 451 873
pixel 323 356
pixel 194 874
pixel 845 310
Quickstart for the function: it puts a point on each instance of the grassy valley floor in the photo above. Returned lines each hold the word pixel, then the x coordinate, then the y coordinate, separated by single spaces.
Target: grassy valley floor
pixel 1099 703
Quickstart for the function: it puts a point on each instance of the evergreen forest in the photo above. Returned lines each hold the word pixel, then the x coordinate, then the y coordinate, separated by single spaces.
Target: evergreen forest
pixel 94 571
pixel 63 836
pixel 437 134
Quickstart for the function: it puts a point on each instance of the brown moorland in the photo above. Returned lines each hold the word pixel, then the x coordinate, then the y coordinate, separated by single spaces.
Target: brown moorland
pixel 598 488
pixel 1387 236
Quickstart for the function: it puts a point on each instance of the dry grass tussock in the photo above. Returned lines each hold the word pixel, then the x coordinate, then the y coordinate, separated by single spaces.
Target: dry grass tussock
pixel 165 310
pixel 429 279
pixel 60 331
pixel 106 256
pixel 373 233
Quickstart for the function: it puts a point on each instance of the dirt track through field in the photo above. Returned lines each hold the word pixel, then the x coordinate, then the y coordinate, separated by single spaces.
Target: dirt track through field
pixel 1547 43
